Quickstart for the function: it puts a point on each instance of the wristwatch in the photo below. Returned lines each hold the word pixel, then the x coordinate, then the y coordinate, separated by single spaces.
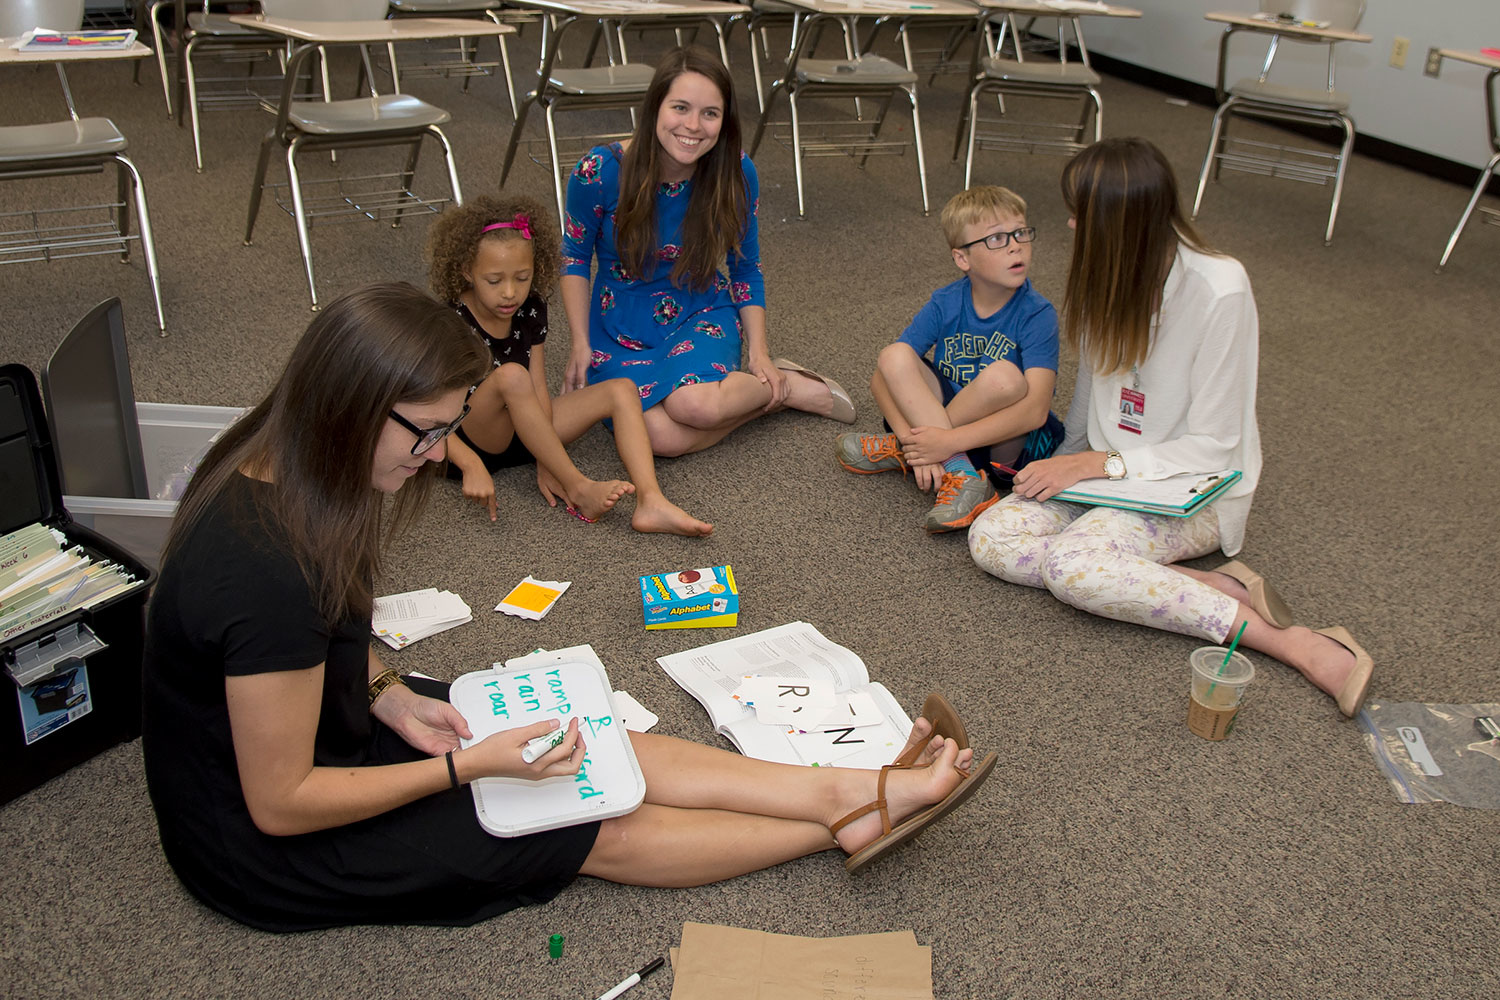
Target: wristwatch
pixel 1114 465
pixel 383 681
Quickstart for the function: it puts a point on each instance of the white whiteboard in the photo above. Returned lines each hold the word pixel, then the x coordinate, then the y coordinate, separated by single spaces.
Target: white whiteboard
pixel 561 686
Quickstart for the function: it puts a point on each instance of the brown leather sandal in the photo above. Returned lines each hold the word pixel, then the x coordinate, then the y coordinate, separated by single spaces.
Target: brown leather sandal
pixel 892 837
pixel 945 722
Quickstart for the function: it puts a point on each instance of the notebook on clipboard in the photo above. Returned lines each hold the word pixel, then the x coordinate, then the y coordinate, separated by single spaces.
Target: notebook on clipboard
pixel 1176 496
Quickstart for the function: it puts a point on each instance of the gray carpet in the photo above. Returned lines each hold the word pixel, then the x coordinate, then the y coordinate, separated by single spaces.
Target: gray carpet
pixel 1113 854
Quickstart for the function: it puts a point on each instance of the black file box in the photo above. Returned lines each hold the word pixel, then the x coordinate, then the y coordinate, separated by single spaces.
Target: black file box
pixel 102 643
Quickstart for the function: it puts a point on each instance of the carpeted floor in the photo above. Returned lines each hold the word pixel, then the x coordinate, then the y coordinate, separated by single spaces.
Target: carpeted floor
pixel 1113 854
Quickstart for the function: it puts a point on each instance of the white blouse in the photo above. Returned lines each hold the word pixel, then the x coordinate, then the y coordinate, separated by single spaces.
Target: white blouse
pixel 1198 381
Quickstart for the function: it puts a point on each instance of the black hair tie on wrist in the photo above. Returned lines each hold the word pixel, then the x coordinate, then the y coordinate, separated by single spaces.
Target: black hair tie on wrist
pixel 452 771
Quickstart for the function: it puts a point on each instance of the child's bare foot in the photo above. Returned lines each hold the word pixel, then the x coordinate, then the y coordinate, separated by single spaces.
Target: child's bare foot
pixel 595 498
pixel 906 792
pixel 658 514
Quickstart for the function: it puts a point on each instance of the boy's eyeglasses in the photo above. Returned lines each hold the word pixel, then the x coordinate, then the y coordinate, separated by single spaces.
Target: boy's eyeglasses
pixel 999 241
pixel 428 437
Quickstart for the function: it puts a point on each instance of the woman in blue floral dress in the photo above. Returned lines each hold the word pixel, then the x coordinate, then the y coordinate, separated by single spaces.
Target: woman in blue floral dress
pixel 662 211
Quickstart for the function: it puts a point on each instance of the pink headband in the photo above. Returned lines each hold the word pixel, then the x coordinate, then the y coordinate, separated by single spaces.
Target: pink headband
pixel 521 224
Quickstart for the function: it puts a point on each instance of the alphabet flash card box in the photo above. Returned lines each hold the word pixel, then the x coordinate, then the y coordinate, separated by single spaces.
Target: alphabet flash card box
pixel 691 598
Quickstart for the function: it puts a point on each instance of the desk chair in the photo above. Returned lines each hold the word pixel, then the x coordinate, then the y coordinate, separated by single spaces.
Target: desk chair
pixel 860 77
pixel 1258 98
pixel 200 34
pixel 65 148
pixel 463 61
pixel 1490 215
pixel 377 120
pixel 1072 82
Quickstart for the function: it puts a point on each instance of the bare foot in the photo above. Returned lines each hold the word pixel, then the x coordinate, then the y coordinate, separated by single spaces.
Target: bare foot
pixel 906 792
pixel 595 498
pixel 808 394
pixel 921 735
pixel 658 514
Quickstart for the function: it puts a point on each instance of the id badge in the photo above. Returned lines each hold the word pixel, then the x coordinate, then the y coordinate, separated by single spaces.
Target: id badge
pixel 1132 410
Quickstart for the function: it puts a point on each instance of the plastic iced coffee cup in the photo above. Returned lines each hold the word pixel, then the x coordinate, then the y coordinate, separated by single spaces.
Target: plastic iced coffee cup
pixel 1218 691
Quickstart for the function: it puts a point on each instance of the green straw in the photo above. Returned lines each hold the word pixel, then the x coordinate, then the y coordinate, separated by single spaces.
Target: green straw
pixel 1232 646
pixel 1227 656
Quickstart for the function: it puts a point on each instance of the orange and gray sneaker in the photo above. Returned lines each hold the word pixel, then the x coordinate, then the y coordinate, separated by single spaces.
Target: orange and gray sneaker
pixel 961 497
pixel 868 454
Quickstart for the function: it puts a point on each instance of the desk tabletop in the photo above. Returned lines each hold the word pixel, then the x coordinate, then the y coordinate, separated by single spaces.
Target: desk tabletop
pixel 401 29
pixel 1059 8
pixel 1477 58
pixel 1281 28
pixel 888 8
pixel 68 53
pixel 625 10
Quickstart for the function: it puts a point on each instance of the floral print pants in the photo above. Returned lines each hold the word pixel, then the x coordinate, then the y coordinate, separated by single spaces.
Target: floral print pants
pixel 1107 562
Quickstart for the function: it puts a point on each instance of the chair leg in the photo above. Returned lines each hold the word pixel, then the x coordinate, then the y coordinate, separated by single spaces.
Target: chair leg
pixel 973 135
pixel 192 102
pixel 765 115
pixel 510 86
pixel 259 186
pixel 1214 138
pixel 760 90
pixel 299 213
pixel 557 185
pixel 916 137
pixel 1338 179
pixel 161 54
pixel 963 121
pixel 1463 220
pixel 1098 114
pixel 148 242
pixel 797 153
pixel 453 186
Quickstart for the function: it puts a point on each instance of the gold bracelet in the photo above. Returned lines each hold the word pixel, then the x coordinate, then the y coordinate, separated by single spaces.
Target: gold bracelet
pixel 383 680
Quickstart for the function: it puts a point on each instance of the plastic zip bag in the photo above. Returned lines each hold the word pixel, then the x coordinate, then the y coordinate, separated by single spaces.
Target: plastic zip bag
pixel 1435 753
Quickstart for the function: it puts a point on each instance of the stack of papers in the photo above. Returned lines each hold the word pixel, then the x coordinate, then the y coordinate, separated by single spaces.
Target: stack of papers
pixel 46 39
pixel 42 578
pixel 401 619
pixel 728 963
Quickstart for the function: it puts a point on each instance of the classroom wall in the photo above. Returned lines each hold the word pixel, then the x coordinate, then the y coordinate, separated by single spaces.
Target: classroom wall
pixel 1443 116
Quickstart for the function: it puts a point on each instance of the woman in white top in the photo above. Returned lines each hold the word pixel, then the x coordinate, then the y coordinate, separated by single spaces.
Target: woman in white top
pixel 1167 337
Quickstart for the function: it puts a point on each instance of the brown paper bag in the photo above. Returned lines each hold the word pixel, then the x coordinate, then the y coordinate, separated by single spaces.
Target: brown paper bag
pixel 728 963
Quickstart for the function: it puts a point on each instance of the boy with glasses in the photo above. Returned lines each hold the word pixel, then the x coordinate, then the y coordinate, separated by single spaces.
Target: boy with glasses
pixel 980 406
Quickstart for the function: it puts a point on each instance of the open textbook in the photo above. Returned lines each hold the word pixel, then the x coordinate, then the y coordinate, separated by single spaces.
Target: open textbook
pixel 715 673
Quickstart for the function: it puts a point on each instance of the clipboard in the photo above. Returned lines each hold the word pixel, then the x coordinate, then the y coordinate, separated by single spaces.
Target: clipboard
pixel 1175 496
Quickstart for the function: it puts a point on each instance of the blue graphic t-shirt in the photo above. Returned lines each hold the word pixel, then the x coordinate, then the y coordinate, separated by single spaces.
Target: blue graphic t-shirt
pixel 963 343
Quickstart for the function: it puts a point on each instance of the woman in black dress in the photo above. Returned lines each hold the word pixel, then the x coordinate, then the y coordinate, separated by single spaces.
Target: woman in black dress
pixel 298 783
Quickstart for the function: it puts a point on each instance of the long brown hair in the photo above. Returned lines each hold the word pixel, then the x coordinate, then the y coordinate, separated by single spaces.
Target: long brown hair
pixel 313 438
pixel 718 211
pixel 1123 196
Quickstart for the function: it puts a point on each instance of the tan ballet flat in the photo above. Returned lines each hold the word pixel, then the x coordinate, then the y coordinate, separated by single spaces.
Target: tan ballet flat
pixel 843 405
pixel 1263 597
pixel 1352 695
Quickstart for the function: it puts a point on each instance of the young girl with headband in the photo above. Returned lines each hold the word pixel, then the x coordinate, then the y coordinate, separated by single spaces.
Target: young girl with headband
pixel 495 260
pixel 1168 342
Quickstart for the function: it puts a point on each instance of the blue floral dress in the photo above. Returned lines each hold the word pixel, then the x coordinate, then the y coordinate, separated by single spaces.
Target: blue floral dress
pixel 645 328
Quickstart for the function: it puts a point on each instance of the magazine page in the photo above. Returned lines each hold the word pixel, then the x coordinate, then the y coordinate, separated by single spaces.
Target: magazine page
pixel 711 673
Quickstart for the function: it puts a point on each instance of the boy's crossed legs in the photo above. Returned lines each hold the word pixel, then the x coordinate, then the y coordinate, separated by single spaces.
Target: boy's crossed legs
pixel 924 439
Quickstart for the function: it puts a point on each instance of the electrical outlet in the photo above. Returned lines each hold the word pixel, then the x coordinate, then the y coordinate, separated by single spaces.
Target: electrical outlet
pixel 1434 62
pixel 1398 52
